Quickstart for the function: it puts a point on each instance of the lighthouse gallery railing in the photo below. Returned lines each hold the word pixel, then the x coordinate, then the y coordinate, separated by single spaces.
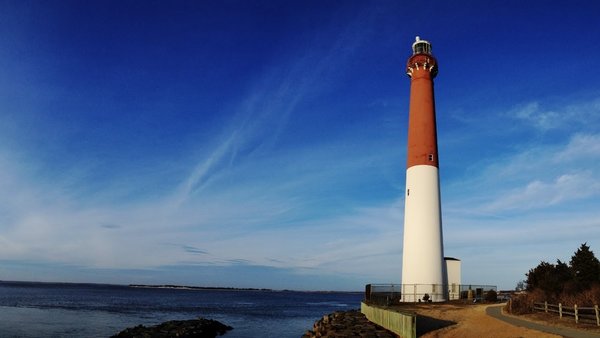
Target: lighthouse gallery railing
pixel 390 294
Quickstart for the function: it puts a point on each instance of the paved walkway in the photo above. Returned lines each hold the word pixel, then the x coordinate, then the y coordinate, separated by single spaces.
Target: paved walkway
pixel 496 312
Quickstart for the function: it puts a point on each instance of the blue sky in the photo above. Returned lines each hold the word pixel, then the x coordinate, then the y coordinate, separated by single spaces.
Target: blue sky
pixel 263 144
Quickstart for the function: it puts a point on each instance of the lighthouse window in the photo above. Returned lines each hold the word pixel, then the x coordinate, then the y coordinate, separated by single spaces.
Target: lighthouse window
pixel 407 192
pixel 422 48
pixel 431 157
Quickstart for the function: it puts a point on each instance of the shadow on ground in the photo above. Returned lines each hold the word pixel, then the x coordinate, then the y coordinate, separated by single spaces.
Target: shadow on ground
pixel 427 324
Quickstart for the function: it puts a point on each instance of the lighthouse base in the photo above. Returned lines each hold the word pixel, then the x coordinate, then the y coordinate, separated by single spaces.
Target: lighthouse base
pixel 423 266
pixel 424 293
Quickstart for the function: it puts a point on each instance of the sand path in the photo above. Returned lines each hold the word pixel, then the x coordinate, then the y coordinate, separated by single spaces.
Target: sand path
pixel 471 322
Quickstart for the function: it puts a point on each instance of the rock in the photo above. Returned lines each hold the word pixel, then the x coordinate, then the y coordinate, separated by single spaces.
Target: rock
pixel 195 328
pixel 346 324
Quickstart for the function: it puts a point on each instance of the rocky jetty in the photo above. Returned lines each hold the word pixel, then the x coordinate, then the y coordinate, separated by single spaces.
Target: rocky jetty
pixel 347 324
pixel 194 328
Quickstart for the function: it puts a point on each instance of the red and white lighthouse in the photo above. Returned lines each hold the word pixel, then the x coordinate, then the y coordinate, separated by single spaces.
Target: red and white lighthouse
pixel 423 267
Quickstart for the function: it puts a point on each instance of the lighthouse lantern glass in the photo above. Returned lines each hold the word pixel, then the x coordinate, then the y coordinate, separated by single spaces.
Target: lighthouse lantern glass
pixel 422 47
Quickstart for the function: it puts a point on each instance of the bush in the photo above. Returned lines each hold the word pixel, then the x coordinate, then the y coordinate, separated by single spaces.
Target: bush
pixel 523 303
pixel 587 297
pixel 491 296
pixel 518 305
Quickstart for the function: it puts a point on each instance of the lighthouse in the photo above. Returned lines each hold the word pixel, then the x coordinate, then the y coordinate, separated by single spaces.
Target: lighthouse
pixel 424 276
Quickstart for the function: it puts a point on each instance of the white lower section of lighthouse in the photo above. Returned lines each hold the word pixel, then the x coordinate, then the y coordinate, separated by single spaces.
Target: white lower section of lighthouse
pixel 423 250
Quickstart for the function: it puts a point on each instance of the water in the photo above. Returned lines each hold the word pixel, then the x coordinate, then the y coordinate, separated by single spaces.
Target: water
pixel 90 310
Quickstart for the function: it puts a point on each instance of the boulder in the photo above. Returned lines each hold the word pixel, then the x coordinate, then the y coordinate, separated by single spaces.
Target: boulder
pixel 194 328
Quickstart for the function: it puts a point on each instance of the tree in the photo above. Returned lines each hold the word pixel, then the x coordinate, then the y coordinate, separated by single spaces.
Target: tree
pixel 562 272
pixel 537 277
pixel 549 278
pixel 585 267
pixel 561 281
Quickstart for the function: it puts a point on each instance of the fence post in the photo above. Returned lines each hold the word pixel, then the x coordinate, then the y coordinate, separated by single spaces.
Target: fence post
pixel 560 310
pixel 415 293
pixel 403 294
pixel 546 307
pixel 597 317
pixel 576 314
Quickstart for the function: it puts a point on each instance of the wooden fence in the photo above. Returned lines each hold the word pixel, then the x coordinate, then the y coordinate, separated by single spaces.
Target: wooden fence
pixel 585 314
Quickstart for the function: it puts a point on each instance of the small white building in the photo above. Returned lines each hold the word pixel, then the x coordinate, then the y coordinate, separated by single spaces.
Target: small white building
pixel 454 280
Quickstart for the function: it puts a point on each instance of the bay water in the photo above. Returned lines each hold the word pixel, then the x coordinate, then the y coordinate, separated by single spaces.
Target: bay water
pixel 95 310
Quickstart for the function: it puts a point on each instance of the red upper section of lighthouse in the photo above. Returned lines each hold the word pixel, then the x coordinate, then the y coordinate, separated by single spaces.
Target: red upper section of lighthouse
pixel 422 136
pixel 421 58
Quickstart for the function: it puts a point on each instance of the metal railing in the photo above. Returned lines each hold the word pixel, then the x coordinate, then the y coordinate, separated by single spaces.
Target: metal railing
pixel 390 294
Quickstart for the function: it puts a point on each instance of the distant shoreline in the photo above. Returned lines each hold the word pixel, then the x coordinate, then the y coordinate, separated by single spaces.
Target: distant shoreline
pixel 185 287
pixel 224 288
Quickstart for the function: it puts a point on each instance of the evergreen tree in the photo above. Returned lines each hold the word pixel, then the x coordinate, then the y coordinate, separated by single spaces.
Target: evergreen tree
pixel 562 280
pixel 585 267
pixel 563 277
pixel 541 277
pixel 549 278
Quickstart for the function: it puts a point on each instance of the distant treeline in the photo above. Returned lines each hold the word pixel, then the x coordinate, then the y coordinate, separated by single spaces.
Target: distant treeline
pixel 185 287
pixel 225 288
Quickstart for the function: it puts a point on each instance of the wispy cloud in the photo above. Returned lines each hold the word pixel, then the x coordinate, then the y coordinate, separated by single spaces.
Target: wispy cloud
pixel 194 250
pixel 542 117
pixel 540 194
pixel 110 226
pixel 536 175
pixel 263 115
pixel 581 147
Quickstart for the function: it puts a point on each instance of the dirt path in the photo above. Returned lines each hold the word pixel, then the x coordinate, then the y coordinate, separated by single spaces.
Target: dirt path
pixel 466 321
pixel 496 312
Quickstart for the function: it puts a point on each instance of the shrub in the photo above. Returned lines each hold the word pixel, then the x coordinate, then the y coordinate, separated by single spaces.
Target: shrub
pixel 491 296
pixel 523 303
pixel 587 297
pixel 518 305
